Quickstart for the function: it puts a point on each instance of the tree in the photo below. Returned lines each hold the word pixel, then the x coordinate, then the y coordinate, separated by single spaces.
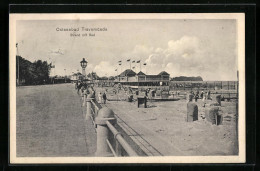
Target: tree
pixel 33 73
pixel 42 71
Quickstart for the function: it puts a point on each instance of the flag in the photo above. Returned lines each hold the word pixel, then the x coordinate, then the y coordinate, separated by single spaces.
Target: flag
pixel 133 61
pixel 138 61
pixel 128 60
pixel 144 63
pixel 119 61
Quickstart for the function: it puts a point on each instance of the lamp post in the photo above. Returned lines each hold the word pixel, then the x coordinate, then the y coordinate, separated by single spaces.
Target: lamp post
pixel 83 64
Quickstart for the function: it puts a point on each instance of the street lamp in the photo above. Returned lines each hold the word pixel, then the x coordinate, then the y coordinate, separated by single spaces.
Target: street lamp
pixel 83 64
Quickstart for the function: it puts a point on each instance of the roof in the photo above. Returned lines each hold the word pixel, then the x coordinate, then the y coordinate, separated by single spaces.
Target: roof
pixel 163 73
pixel 128 72
pixel 140 73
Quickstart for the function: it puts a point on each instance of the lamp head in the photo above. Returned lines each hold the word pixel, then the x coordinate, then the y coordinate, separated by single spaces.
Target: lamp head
pixel 83 63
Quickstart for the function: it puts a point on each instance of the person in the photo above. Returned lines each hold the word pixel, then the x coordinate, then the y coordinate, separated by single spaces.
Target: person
pixel 82 91
pixel 206 96
pixel 79 86
pixel 209 95
pixel 114 91
pixel 76 85
pixel 196 96
pixel 94 94
pixel 201 95
pixel 100 97
pixel 104 97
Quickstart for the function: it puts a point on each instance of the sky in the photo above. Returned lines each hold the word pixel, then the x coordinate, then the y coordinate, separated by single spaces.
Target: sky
pixel 206 48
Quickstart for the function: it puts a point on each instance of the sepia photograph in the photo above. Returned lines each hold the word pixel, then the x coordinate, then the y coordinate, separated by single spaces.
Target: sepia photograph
pixel 127 88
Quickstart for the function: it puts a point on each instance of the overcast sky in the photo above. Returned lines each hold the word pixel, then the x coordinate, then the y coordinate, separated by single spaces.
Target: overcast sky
pixel 205 48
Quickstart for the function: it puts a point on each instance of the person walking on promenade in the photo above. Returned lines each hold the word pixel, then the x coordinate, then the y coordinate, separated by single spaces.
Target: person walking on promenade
pixel 104 97
pixel 94 94
pixel 79 86
pixel 82 91
pixel 76 85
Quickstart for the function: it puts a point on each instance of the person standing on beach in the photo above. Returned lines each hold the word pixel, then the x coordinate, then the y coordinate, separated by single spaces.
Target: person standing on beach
pixel 197 96
pixel 209 95
pixel 76 85
pixel 201 95
pixel 104 97
pixel 100 97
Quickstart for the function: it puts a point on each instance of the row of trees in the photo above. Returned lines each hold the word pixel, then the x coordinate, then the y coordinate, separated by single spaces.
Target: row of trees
pixel 32 73
pixel 184 78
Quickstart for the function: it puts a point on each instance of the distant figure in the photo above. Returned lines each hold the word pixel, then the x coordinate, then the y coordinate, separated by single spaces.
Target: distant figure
pixel 76 85
pixel 130 91
pixel 196 96
pixel 79 86
pixel 209 95
pixel 114 90
pixel 82 89
pixel 206 96
pixel 104 97
pixel 93 93
pixel 100 97
pixel 201 95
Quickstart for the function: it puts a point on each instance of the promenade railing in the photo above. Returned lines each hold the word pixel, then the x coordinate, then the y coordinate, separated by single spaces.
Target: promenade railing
pixel 110 142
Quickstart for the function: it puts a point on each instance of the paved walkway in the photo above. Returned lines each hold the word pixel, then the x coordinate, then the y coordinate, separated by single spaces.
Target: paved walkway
pixel 50 122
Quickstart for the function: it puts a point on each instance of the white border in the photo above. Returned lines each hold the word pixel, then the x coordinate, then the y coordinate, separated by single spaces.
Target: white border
pixel 240 17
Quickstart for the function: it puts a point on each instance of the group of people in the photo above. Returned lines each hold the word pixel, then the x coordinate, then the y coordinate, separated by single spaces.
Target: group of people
pixel 83 88
pixel 102 98
pixel 202 95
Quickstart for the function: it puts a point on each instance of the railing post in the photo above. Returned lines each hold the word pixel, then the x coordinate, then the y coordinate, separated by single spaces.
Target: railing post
pixel 88 110
pixel 103 132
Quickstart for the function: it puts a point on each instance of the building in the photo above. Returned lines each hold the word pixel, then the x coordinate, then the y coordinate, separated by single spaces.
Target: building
pixel 129 78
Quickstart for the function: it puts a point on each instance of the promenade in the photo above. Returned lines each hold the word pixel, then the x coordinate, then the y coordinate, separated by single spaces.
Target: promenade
pixel 50 122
